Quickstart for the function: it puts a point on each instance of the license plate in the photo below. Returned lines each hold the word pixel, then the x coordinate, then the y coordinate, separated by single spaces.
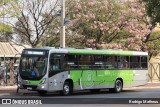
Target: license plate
pixel 29 88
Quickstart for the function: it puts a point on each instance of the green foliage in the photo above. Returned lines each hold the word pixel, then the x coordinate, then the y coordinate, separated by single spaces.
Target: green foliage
pixel 6 1
pixel 5 28
pixel 6 7
pixel 5 32
pixel 154 47
pixel 153 10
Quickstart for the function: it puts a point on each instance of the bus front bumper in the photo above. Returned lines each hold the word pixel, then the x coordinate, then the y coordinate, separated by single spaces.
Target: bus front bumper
pixel 41 87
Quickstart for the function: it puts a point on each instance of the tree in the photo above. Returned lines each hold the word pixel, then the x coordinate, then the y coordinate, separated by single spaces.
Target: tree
pixel 153 11
pixel 110 24
pixel 33 18
pixel 6 31
pixel 94 20
pixel 4 6
pixel 154 47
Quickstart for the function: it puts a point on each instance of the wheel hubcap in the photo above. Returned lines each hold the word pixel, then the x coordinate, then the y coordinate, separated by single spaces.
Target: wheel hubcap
pixel 118 86
pixel 66 89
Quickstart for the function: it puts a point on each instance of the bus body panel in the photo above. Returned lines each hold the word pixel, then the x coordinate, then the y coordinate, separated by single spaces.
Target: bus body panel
pixel 56 81
pixel 90 79
pixel 96 79
pixel 140 77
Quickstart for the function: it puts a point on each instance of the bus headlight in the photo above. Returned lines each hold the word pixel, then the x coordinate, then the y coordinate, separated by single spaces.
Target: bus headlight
pixel 43 81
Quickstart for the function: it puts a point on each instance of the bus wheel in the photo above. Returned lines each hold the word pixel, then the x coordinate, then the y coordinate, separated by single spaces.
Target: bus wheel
pixel 118 86
pixel 42 93
pixel 67 89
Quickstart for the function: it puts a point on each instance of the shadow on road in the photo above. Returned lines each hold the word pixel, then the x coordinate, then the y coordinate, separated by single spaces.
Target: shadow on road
pixel 77 93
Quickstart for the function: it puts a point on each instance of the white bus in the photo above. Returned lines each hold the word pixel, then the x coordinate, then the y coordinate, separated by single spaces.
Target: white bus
pixel 66 70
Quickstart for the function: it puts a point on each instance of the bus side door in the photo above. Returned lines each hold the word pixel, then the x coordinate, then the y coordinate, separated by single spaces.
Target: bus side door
pixel 55 67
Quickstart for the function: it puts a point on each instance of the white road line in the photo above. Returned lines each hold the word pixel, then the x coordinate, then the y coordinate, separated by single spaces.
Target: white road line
pixel 142 88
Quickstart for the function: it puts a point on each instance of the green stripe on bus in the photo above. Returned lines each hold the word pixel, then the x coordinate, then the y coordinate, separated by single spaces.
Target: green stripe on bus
pixel 101 77
pixel 34 82
pixel 108 52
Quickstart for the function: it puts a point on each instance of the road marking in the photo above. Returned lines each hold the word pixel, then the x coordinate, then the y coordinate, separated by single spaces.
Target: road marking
pixel 143 87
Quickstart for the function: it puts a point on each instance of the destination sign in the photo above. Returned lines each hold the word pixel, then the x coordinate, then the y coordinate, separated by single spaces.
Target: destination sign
pixel 34 52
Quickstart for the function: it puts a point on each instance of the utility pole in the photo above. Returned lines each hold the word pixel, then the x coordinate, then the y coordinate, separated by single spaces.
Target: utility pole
pixel 62 36
pixel 3 22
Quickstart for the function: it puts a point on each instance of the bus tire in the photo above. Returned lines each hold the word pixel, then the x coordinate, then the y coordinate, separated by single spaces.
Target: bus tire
pixel 118 86
pixel 67 89
pixel 42 93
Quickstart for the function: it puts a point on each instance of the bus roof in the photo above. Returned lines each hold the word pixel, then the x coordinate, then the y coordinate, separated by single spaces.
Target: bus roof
pixel 90 51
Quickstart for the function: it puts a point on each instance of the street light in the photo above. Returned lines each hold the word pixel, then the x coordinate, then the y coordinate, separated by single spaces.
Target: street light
pixel 66 21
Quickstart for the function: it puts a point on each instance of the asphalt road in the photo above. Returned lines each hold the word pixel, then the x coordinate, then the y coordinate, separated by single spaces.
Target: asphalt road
pixel 139 92
pixel 94 99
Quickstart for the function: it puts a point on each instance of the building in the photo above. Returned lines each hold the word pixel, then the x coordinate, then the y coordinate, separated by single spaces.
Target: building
pixel 9 55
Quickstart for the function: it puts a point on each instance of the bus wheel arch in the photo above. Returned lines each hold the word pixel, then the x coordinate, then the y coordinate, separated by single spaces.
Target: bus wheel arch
pixel 67 87
pixel 120 80
pixel 118 86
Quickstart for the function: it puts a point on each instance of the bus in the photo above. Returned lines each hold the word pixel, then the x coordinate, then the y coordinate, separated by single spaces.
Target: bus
pixel 67 70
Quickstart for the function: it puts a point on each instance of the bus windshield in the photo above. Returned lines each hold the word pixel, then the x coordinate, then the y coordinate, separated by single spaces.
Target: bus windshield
pixel 33 67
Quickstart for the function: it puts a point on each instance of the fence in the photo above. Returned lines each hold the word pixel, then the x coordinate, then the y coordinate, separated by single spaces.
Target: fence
pixel 8 74
pixel 154 72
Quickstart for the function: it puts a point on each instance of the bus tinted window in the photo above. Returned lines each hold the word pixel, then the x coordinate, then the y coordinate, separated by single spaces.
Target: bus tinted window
pixel 98 62
pixel 70 61
pixel 110 62
pixel 143 62
pixel 85 61
pixel 55 63
pixel 104 62
pixel 123 62
pixel 135 62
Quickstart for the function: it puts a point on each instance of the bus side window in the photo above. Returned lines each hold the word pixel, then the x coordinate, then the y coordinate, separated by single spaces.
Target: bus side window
pixel 123 62
pixel 110 62
pixel 71 62
pixel 55 62
pixel 55 65
pixel 143 62
pixel 135 62
pixel 98 62
pixel 85 62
